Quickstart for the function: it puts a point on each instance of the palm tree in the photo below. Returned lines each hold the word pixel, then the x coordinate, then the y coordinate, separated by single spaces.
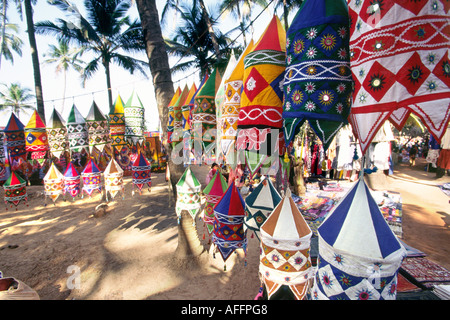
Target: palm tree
pixel 64 57
pixel 288 7
pixel 241 10
pixel 16 98
pixel 10 42
pixel 105 32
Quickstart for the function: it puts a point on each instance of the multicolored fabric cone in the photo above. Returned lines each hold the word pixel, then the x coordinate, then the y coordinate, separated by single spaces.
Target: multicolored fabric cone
pixel 36 138
pixel 232 85
pixel 53 183
pixel 399 57
pixel 15 140
pixel 318 81
pixel 229 214
pixel 285 245
pixel 204 115
pixel 98 129
pixel 259 204
pixel 134 121
pixel 186 122
pixel 142 172
pixel 359 255
pixel 92 178
pixel 117 125
pixel 113 179
pixel 57 134
pixel 77 131
pixel 171 116
pixel 213 192
pixel 72 181
pixel 177 135
pixel 188 194
pixel 260 119
pixel 15 189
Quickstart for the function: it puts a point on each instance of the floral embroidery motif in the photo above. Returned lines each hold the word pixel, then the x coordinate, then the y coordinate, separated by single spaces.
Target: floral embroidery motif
pixel 328 42
pixel 251 84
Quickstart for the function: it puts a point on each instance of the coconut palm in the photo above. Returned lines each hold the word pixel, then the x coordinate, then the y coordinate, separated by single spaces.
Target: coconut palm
pixel 10 42
pixel 106 32
pixel 16 98
pixel 64 57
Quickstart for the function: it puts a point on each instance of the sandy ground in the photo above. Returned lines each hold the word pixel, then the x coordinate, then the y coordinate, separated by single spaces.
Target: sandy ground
pixel 63 252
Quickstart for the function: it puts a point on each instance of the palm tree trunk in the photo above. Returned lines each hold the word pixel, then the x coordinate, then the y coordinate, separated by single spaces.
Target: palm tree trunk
pixel 35 59
pixel 285 15
pixel 108 83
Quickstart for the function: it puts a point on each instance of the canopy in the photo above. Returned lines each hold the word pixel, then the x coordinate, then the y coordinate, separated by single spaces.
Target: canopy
pixel 98 129
pixel 36 139
pixel 400 64
pixel 357 250
pixel 188 194
pixel 57 134
pixel 318 82
pixel 53 183
pixel 77 131
pixel 213 192
pixel 141 170
pixel 134 121
pixel 117 124
pixel 15 140
pixel 113 179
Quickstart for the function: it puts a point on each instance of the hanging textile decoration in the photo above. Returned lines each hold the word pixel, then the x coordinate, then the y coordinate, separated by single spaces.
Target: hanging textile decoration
pixel 171 116
pixel 142 173
pixel 113 179
pixel 232 85
pixel 15 140
pixel 77 132
pixel 259 204
pixel 15 190
pixel 285 247
pixel 36 138
pixel 213 192
pixel 260 123
pixel 229 214
pixel 92 178
pixel 318 81
pixel 359 255
pixel 98 129
pixel 204 117
pixel 53 183
pixel 2 149
pixel 57 134
pixel 177 135
pixel 72 181
pixel 134 121
pixel 399 57
pixel 186 122
pixel 117 125
pixel 188 194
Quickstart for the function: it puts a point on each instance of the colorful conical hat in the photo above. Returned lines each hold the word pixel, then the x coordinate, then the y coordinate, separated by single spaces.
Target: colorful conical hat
pixel 204 114
pixel 15 189
pixel 186 113
pixel 285 246
pixel 15 139
pixel 171 115
pixel 359 255
pixel 36 138
pixel 113 179
pixel 57 134
pixel 53 183
pixel 77 131
pixel 213 192
pixel 117 124
pixel 188 194
pixel 98 129
pixel 72 180
pixel 141 172
pixel 318 82
pixel 259 204
pixel 260 120
pixel 134 120
pixel 229 213
pixel 177 135
pixel 91 176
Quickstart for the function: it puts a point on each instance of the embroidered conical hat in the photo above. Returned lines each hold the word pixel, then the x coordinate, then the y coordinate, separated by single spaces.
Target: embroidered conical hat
pixel 134 120
pixel 113 178
pixel 213 192
pixel 36 138
pixel 357 246
pixel 57 134
pixel 15 139
pixel 141 170
pixel 72 180
pixel 188 194
pixel 98 129
pixel 53 183
pixel 318 82
pixel 77 132
pixel 229 213
pixel 117 124
pixel 285 245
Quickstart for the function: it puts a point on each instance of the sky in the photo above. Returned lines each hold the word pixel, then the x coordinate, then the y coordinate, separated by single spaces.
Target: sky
pixel 123 83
